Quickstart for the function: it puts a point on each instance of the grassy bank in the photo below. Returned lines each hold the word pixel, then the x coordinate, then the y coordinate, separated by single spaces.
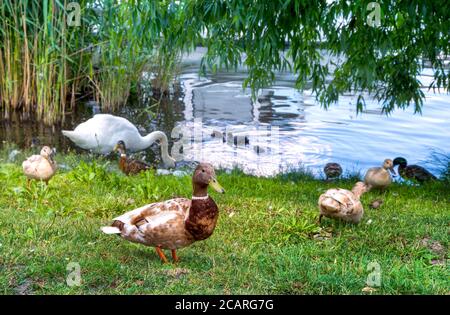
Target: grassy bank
pixel 267 239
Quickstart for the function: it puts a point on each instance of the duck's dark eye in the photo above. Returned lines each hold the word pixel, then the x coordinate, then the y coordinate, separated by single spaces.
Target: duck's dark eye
pixel 203 171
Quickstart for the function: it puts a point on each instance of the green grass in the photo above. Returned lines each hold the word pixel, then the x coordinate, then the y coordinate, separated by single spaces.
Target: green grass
pixel 267 240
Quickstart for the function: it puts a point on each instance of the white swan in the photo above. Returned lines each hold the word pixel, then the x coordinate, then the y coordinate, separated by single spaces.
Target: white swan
pixel 102 132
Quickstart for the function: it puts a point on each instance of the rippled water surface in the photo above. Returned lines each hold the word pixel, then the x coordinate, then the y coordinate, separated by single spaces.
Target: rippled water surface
pixel 283 129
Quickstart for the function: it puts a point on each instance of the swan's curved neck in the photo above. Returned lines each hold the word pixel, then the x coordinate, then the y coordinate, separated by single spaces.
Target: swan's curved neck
pixel 151 138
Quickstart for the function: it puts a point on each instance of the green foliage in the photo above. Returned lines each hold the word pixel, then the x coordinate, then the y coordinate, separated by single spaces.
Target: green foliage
pixel 440 160
pixel 270 36
pixel 127 32
pixel 90 172
pixel 45 63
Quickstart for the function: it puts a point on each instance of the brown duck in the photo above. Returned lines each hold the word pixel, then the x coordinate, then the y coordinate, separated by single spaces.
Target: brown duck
pixel 40 167
pixel 332 170
pixel 175 223
pixel 342 204
pixel 128 165
pixel 379 177
pixel 414 172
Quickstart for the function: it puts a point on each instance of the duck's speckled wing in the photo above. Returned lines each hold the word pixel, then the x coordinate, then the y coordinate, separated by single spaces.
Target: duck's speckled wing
pixel 418 173
pixel 340 203
pixel 30 161
pixel 146 212
pixel 159 224
pixel 38 167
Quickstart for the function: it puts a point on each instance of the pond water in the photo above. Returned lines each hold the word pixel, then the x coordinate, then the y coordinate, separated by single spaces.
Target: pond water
pixel 283 129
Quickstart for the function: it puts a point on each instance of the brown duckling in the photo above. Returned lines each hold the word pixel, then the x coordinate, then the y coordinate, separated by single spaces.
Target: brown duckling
pixel 40 167
pixel 342 204
pixel 128 165
pixel 332 170
pixel 175 223
pixel 379 177
pixel 414 172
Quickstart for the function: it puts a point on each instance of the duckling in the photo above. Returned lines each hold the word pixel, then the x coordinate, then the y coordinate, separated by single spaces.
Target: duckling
pixel 174 223
pixel 342 204
pixel 414 172
pixel 40 167
pixel 127 165
pixel 332 170
pixel 379 177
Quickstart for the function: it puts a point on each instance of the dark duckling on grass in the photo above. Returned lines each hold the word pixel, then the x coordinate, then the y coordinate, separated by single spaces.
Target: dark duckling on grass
pixel 332 170
pixel 414 172
pixel 128 165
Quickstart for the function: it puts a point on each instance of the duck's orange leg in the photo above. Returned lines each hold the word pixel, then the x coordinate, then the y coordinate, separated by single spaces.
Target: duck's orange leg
pixel 28 183
pixel 161 254
pixel 174 255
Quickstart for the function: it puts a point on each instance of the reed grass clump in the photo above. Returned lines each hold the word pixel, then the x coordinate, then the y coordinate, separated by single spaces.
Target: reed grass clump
pixel 37 64
pixel 47 64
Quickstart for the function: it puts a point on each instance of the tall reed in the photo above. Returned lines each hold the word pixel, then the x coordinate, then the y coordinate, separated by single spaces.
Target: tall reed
pixel 46 65
pixel 34 62
pixel 121 55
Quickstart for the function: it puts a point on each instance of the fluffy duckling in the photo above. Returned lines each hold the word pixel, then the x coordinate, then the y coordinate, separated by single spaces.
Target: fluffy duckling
pixel 379 177
pixel 40 167
pixel 332 170
pixel 342 204
pixel 128 165
pixel 175 223
pixel 414 172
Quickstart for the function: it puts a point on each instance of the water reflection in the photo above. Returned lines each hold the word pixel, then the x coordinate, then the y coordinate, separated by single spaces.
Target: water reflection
pixel 282 128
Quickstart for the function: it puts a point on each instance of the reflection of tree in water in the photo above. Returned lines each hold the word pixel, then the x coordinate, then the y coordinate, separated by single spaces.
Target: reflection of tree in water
pixel 265 109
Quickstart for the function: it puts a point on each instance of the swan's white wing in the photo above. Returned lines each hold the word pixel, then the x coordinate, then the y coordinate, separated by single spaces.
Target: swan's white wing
pixel 102 132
